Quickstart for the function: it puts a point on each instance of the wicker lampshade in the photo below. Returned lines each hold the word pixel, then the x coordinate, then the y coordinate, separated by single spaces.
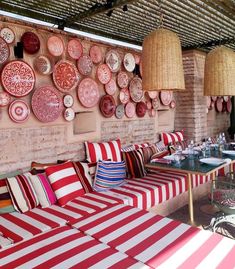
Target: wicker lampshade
pixel 162 61
pixel 219 75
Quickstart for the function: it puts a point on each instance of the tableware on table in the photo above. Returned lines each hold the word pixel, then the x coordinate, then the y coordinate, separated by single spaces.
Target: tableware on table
pixel 136 90
pixel 229 152
pixel 141 109
pixel 107 106
pixel 69 114
pixel 74 48
pixel 7 34
pixel 18 78
pixel 120 111
pixel 130 110
pixel 84 64
pixel 124 95
pixel 96 54
pixel 113 60
pixel 88 92
pixel 129 62
pixel 47 103
pixel 5 99
pixel 4 51
pixel 65 76
pixel 122 79
pixel 212 161
pixel 166 97
pixel 103 73
pixel 111 87
pixel 55 45
pixel 43 65
pixel 31 42
pixel 19 111
pixel 169 157
pixel 68 100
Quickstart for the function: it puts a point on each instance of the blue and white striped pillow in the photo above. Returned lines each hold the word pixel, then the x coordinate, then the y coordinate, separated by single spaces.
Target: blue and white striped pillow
pixel 109 175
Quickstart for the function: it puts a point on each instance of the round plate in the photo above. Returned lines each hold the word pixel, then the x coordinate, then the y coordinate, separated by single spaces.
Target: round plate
pixel 4 51
pixel 31 42
pixel 55 45
pixel 152 94
pixel 75 48
pixel 124 95
pixel 85 65
pixel 212 104
pixel 152 113
pixel 155 103
pixel 18 78
pixel 141 109
pixel 122 79
pixel 172 104
pixel 68 100
pixel 137 59
pixel 111 87
pixel 103 73
pixel 214 98
pixel 219 104
pixel 96 54
pixel 107 106
pixel 130 110
pixel 7 34
pixel 5 99
pixel 136 90
pixel 120 111
pixel 88 92
pixel 129 62
pixel 69 114
pixel 65 76
pixel 47 103
pixel 208 102
pixel 113 60
pixel 229 105
pixel 43 65
pixel 166 97
pixel 226 98
pixel 19 111
pixel 148 104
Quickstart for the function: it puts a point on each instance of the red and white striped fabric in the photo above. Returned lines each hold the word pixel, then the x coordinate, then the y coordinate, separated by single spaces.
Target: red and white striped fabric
pixel 157 241
pixel 103 151
pixel 223 171
pixel 143 145
pixel 4 242
pixel 65 182
pixel 65 248
pixel 168 138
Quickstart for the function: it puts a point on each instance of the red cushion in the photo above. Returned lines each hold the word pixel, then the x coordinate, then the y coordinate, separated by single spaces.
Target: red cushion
pixel 168 138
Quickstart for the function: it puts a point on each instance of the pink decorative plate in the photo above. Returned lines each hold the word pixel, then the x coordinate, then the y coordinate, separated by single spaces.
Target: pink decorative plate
pixel 18 78
pixel 152 112
pixel 111 87
pixel 31 42
pixel 172 104
pixel 75 49
pixel 69 114
pixel 68 100
pixel 226 98
pixel 107 106
pixel 65 76
pixel 8 35
pixel 155 103
pixel 136 90
pixel 122 79
pixel 124 95
pixel 47 103
pixel 130 110
pixel 137 58
pixel 129 62
pixel 113 60
pixel 141 109
pixel 166 97
pixel 5 99
pixel 96 54
pixel 149 105
pixel 88 92
pixel 120 111
pixel 19 111
pixel 85 65
pixel 219 104
pixel 152 94
pixel 43 65
pixel 55 45
pixel 103 73
pixel 208 102
pixel 214 98
pixel 229 106
pixel 4 51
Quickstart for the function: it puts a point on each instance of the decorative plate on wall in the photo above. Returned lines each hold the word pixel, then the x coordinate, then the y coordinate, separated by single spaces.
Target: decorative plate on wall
pixel 219 104
pixel 107 106
pixel 5 98
pixel 4 51
pixel 65 76
pixel 226 98
pixel 68 100
pixel 148 104
pixel 18 78
pixel 55 45
pixel 152 94
pixel 136 90
pixel 152 112
pixel 172 104
pixel 129 62
pixel 74 48
pixel 47 103
pixel 85 65
pixel 103 73
pixel 122 79
pixel 130 110
pixel 155 103
pixel 31 42
pixel 43 65
pixel 19 111
pixel 229 105
pixel 88 92
pixel 166 97
pixel 141 68
pixel 141 109
pixel 208 102
pixel 214 98
pixel 124 95
pixel 120 111
pixel 113 60
pixel 111 87
pixel 137 58
pixel 7 34
pixel 96 54
pixel 69 114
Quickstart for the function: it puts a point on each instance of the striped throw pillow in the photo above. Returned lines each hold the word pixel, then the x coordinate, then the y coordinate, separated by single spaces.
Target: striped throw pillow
pixel 103 151
pixel 168 138
pixel 160 146
pixel 148 152
pixel 65 182
pixel 43 189
pixel 143 145
pixel 109 175
pixel 82 170
pixel 22 193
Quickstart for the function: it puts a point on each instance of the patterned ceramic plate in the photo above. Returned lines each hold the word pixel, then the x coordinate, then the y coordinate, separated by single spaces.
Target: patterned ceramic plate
pixel 124 95
pixel 149 105
pixel 111 87
pixel 18 78
pixel 88 92
pixel 229 106
pixel 166 97
pixel 7 34
pixel 85 65
pixel 4 51
pixel 65 76
pixel 130 110
pixel 47 104
pixel 5 99
pixel 69 114
pixel 141 109
pixel 74 48
pixel 107 106
pixel 43 65
pixel 68 100
pixel 226 98
pixel 120 111
pixel 113 60
pixel 136 90
pixel 172 104
pixel 219 104
pixel 96 54
pixel 19 111
pixel 152 112
pixel 103 73
pixel 129 62
pixel 214 98
pixel 122 79
pixel 152 94
pixel 155 103
pixel 55 45
pixel 31 42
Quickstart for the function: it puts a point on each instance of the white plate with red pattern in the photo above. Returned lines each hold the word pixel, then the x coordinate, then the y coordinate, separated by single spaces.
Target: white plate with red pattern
pixel 113 60
pixel 69 114
pixel 129 62
pixel 124 95
pixel 85 65
pixel 111 87
pixel 103 73
pixel 19 111
pixel 166 97
pixel 74 48
pixel 7 34
pixel 136 90
pixel 5 99
pixel 4 51
pixel 122 79
pixel 55 45
pixel 130 110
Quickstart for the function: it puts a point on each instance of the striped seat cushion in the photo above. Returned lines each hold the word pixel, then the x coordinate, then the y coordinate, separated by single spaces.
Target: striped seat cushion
pixel 174 137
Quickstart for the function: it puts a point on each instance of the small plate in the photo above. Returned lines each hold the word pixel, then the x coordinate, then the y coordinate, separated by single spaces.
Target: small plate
pixel 129 62
pixel 212 161
pixel 84 65
pixel 68 100
pixel 74 48
pixel 55 45
pixel 8 35
pixel 31 42
pixel 69 114
pixel 5 99
pixel 19 111
pixel 229 152
pixel 120 111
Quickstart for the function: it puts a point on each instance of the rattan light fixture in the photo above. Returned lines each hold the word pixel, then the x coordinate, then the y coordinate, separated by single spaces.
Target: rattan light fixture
pixel 219 77
pixel 162 61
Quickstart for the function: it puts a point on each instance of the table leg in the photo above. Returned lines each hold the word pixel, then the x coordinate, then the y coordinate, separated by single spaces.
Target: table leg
pixel 190 200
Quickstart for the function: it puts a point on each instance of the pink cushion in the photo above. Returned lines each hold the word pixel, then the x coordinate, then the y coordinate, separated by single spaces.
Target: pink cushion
pixel 65 182
pixel 168 138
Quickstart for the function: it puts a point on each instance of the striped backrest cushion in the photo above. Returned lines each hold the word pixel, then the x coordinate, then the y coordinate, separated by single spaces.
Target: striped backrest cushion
pixel 82 170
pixel 103 151
pixel 65 182
pixel 134 163
pixel 160 146
pixel 109 175
pixel 127 148
pixel 148 152
pixel 43 189
pixel 168 138
pixel 22 193
pixel 143 145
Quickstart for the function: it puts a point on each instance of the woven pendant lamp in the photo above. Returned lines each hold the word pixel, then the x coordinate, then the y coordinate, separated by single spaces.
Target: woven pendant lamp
pixel 219 75
pixel 162 61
